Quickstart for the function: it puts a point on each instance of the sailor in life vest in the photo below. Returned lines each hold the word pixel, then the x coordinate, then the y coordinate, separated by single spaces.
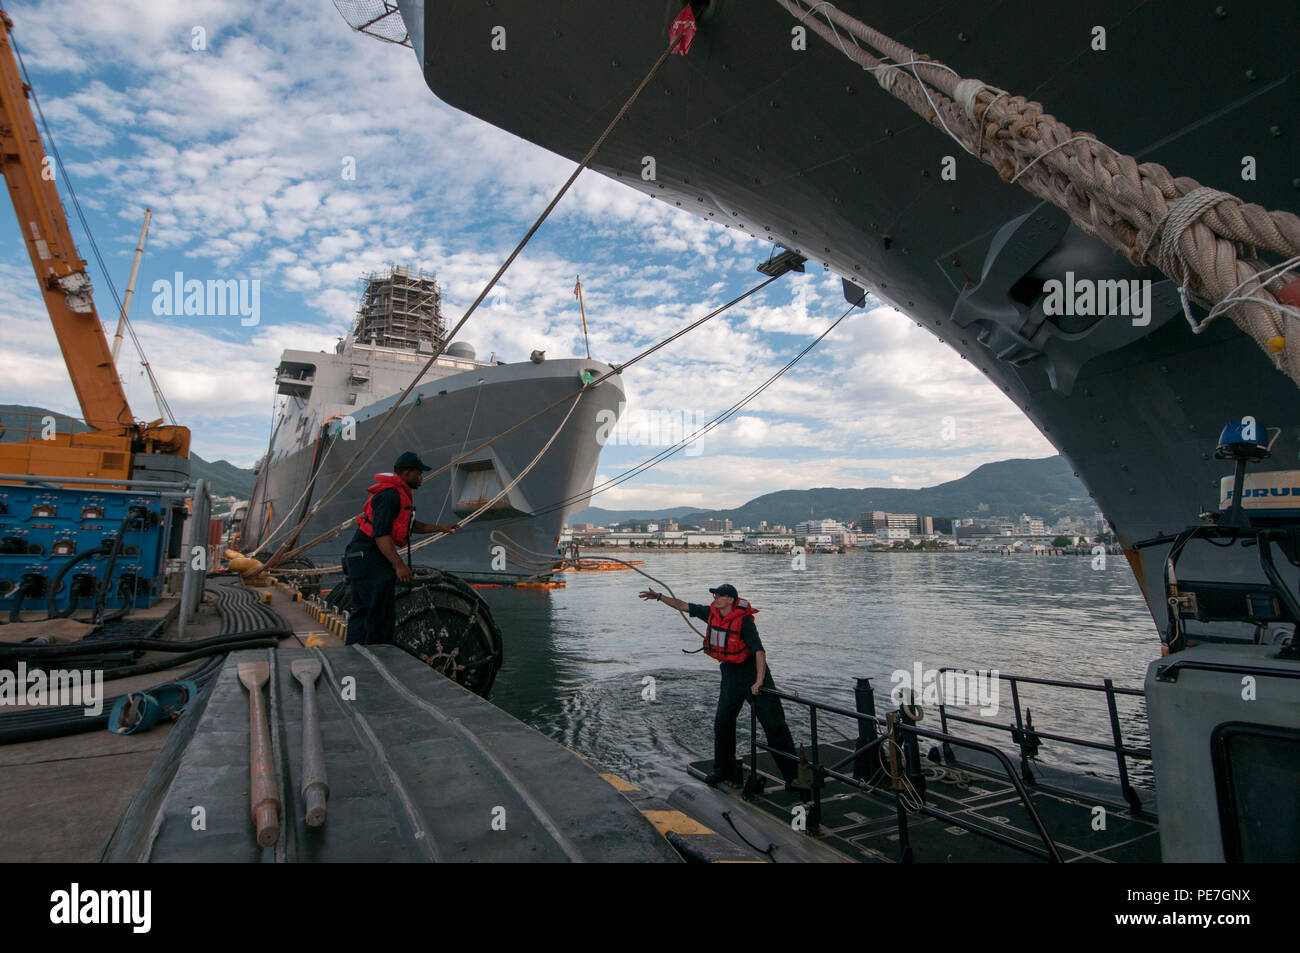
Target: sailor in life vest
pixel 372 562
pixel 732 638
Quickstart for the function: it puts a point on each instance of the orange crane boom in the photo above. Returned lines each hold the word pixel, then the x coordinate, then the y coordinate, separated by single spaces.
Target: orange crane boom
pixel 107 449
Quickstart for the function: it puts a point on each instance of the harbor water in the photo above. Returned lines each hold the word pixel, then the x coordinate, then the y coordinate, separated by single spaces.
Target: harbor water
pixel 603 672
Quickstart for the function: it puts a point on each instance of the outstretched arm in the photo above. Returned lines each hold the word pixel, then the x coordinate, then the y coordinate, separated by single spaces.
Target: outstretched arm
pixel 419 527
pixel 677 604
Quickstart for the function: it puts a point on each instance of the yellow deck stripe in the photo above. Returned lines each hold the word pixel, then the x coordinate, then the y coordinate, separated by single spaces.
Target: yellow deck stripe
pixel 619 783
pixel 676 822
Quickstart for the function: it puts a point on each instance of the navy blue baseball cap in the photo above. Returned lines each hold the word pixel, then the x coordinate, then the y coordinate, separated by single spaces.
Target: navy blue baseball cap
pixel 409 461
pixel 726 589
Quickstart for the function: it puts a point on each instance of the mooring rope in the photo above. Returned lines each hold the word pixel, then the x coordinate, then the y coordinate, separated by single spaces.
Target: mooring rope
pixel 504 539
pixel 279 556
pixel 576 398
pixel 615 369
pixel 1207 240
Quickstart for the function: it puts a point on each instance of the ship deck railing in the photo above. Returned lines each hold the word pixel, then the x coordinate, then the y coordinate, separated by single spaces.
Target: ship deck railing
pixel 908 792
pixel 1026 736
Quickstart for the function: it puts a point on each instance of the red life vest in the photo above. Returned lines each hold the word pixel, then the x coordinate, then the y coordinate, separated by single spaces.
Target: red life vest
pixel 402 521
pixel 722 639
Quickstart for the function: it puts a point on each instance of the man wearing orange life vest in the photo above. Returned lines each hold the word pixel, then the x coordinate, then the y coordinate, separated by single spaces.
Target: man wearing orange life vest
pixel 732 638
pixel 372 562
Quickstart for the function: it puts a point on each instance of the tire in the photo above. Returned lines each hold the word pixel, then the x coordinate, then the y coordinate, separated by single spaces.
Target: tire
pixel 445 623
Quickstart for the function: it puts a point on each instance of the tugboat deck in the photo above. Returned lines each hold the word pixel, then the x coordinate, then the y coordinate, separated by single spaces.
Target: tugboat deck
pixel 864 825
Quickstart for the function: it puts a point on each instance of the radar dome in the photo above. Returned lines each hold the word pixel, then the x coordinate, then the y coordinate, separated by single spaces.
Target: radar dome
pixel 460 349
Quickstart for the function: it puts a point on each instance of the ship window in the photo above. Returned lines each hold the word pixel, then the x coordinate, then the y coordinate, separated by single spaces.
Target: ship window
pixel 1256 775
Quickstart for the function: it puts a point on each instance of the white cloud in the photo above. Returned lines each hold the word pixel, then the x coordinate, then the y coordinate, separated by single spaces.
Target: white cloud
pixel 243 151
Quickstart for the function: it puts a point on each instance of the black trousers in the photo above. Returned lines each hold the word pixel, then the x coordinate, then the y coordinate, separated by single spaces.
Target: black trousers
pixel 735 691
pixel 374 589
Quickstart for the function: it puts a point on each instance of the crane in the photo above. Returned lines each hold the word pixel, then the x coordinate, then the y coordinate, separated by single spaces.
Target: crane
pixel 111 447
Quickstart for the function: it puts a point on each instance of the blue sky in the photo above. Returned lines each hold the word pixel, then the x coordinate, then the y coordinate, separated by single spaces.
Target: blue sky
pixel 239 148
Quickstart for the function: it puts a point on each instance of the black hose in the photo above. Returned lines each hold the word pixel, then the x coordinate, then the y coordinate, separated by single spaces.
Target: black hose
pixel 142 645
pixel 15 611
pixel 145 668
pixel 102 594
pixel 51 600
pixel 73 599
pixel 41 724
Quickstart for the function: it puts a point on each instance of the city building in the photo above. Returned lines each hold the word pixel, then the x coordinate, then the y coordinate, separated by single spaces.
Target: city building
pixel 1029 526
pixel 878 519
pixel 819 527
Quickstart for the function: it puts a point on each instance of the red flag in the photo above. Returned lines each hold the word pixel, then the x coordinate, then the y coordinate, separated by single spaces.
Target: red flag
pixel 576 287
pixel 684 26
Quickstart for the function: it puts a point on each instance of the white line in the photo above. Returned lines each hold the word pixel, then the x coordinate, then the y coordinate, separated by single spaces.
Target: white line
pixel 538 811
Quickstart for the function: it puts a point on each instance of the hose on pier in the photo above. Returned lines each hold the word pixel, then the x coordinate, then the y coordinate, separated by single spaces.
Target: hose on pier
pixel 246 624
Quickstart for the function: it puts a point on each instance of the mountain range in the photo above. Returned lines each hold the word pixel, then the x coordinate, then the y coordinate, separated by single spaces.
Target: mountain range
pixel 1043 487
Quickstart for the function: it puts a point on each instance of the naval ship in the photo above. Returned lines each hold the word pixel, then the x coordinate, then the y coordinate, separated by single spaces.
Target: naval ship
pixel 768 125
pixel 462 419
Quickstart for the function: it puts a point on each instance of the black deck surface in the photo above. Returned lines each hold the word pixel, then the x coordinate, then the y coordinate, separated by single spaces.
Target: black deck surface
pixel 418 770
pixel 864 825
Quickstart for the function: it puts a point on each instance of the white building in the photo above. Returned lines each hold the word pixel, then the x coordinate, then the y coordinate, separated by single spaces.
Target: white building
pixel 768 540
pixel 819 527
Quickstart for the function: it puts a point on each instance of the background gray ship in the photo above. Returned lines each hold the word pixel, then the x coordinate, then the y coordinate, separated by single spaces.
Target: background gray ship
pixel 332 402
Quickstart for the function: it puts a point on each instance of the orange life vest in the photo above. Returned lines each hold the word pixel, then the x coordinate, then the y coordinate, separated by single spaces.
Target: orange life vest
pixel 722 639
pixel 402 521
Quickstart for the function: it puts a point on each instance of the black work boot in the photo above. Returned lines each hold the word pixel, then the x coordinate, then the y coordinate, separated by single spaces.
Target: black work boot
pixel 736 775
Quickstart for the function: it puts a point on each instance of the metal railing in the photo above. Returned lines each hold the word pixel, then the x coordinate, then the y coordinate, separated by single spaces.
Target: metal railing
pixel 868 744
pixel 1026 736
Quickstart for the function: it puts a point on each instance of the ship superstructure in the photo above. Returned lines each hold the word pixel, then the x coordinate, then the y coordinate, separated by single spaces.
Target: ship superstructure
pixel 332 401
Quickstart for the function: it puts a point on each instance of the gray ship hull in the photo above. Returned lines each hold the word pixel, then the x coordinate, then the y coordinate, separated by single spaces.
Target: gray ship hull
pixel 804 148
pixel 453 416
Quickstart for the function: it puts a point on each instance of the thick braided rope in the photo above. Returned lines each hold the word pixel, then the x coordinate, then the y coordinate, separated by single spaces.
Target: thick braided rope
pixel 1107 194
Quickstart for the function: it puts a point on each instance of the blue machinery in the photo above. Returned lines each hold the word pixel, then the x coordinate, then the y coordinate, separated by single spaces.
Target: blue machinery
pixel 89 548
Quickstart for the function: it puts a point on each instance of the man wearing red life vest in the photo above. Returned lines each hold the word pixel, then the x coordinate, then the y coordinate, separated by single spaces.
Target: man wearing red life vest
pixel 372 562
pixel 732 638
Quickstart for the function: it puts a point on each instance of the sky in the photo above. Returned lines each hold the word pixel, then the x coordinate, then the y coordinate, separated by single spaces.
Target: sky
pixel 297 153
